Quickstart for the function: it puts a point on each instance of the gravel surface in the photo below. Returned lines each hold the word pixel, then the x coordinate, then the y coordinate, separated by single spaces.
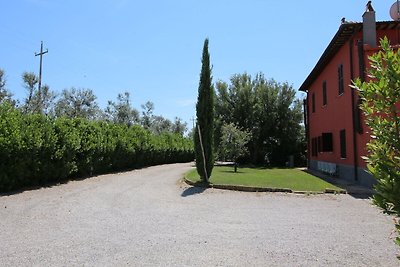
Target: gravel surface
pixel 149 218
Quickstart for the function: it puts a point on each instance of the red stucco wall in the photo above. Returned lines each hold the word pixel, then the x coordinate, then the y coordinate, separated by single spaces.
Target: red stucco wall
pixel 337 114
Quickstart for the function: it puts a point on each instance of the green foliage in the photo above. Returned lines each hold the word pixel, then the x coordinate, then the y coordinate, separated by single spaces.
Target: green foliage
pixel 147 114
pixel 77 103
pixel 381 100
pixel 269 111
pixel 30 80
pixel 37 101
pixel 5 95
pixel 122 111
pixel 233 142
pixel 205 119
pixel 36 149
pixel 179 127
pixel 159 124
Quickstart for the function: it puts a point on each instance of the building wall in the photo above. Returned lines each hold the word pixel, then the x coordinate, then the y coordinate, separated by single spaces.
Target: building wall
pixel 337 114
pixel 362 139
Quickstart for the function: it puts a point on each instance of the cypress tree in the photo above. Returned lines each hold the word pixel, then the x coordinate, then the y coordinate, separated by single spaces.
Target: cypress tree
pixel 205 119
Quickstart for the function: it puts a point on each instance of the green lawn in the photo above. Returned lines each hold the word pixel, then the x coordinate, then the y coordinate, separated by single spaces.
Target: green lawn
pixel 294 179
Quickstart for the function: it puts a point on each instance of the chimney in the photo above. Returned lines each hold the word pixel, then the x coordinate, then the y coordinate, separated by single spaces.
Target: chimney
pixel 369 28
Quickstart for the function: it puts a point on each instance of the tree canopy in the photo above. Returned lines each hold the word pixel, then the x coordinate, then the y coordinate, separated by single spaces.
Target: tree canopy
pixel 233 142
pixel 77 103
pixel 269 111
pixel 5 95
pixel 122 110
pixel 82 103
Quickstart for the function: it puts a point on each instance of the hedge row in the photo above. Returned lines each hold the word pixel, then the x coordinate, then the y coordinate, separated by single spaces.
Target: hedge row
pixel 36 149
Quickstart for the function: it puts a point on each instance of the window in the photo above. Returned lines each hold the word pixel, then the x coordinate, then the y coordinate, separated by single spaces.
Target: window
pixel 327 142
pixel 324 94
pixel 313 103
pixel 340 79
pixel 319 144
pixel 314 147
pixel 343 153
pixel 322 143
pixel 358 118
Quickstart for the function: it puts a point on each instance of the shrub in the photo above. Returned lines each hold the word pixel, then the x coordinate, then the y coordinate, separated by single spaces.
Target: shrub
pixel 36 149
pixel 381 105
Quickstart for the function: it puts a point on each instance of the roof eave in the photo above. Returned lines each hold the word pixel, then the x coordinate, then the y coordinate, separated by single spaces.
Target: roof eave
pixel 344 33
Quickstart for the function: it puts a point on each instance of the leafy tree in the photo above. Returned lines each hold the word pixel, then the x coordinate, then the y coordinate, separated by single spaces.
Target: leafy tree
pixel 30 80
pixel 381 105
pixel 268 110
pixel 77 103
pixel 5 95
pixel 233 142
pixel 159 125
pixel 122 110
pixel 179 127
pixel 203 139
pixel 2 80
pixel 44 102
pixel 147 114
pixel 37 102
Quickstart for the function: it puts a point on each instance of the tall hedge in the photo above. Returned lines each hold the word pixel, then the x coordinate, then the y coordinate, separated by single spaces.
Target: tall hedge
pixel 35 149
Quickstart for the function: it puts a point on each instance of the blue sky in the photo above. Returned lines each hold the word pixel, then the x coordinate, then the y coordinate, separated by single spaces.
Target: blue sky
pixel 152 48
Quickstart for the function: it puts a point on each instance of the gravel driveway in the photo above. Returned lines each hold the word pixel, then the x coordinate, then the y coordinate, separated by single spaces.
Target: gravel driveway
pixel 148 218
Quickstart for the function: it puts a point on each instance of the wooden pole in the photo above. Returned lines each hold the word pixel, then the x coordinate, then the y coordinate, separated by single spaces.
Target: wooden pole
pixel 40 69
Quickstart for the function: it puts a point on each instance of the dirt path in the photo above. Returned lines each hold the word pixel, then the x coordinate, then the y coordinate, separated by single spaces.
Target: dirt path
pixel 147 218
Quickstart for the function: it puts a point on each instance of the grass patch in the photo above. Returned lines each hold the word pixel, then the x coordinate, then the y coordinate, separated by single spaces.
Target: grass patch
pixel 293 179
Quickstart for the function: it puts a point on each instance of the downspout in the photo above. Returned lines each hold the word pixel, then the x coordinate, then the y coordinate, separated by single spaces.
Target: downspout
pixel 353 112
pixel 361 60
pixel 307 135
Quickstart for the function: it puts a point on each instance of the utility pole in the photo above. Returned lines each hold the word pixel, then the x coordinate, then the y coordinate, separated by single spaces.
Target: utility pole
pixel 40 68
pixel 193 120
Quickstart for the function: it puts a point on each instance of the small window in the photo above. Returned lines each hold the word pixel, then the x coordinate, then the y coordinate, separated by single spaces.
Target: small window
pixel 314 147
pixel 343 153
pixel 327 142
pixel 313 103
pixel 320 144
pixel 324 94
pixel 340 79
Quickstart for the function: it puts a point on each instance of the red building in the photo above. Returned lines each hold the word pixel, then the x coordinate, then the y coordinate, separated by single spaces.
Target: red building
pixel 335 127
